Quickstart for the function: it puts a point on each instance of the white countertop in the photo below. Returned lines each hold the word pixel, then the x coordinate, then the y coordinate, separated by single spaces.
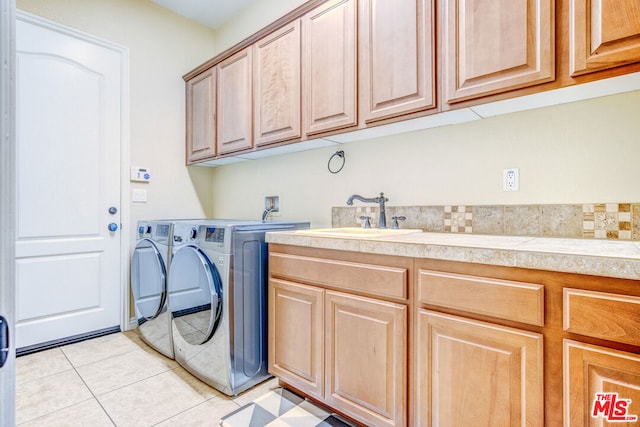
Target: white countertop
pixel 608 258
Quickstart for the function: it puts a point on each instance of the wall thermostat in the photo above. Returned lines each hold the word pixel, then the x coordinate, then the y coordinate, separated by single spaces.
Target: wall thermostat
pixel 140 174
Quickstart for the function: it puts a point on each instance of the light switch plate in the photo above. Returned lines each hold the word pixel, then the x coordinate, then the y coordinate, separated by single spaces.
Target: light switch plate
pixel 139 195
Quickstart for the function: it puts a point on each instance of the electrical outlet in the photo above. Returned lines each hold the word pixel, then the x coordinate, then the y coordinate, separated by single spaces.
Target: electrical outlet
pixel 511 179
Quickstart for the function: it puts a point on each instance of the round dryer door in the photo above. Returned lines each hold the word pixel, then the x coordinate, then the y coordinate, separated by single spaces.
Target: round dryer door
pixel 148 280
pixel 195 295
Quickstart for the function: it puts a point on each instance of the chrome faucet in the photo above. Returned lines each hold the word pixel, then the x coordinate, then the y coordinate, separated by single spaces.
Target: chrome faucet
pixel 266 213
pixel 382 221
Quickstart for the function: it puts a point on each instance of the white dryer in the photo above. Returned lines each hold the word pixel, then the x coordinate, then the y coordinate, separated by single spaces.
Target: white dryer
pixel 149 269
pixel 217 294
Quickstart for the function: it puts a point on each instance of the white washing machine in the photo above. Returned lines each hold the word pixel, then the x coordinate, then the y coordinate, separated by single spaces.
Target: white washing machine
pixel 149 270
pixel 217 294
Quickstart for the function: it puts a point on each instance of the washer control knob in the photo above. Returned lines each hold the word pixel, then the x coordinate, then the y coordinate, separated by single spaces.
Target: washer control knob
pixel 141 229
pixel 194 233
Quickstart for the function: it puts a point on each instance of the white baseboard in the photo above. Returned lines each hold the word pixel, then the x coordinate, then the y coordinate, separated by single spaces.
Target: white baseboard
pixel 133 324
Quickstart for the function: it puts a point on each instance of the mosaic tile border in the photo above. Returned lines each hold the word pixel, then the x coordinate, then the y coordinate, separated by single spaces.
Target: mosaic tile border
pixel 458 219
pixel 607 221
pixel 611 221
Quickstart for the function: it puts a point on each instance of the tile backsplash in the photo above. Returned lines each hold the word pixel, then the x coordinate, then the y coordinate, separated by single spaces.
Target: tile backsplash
pixel 617 221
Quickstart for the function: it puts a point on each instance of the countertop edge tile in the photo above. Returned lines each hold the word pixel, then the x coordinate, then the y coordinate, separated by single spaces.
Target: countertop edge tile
pixel 582 256
pixel 582 264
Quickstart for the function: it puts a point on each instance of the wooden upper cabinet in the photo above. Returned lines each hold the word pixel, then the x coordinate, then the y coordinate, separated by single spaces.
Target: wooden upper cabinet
pixel 234 103
pixel 495 46
pixel 277 86
pixel 396 57
pixel 329 66
pixel 604 34
pixel 201 116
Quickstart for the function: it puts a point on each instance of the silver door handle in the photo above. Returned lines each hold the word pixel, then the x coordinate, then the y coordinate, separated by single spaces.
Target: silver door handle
pixel 4 341
pixel 113 227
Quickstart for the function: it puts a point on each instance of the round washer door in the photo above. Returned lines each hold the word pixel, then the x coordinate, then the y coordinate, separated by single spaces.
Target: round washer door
pixel 148 280
pixel 195 295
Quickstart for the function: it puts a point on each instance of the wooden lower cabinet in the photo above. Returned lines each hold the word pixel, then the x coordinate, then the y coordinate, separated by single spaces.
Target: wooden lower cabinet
pixel 365 359
pixel 602 386
pixel 296 335
pixel 477 373
pixel 604 315
pixel 347 351
pixel 395 341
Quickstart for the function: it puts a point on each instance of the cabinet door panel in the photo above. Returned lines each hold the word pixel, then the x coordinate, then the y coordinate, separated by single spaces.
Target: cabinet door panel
pixel 366 354
pixel 476 373
pixel 329 66
pixel 234 103
pixel 604 34
pixel 277 86
pixel 296 351
pixel 201 119
pixel 396 57
pixel 495 46
pixel 590 369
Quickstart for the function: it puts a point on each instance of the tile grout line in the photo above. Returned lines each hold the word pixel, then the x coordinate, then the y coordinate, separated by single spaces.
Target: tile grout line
pixel 192 407
pixel 139 348
pixel 214 399
pixel 73 368
pixel 89 388
pixel 118 388
pixel 95 397
pixel 48 375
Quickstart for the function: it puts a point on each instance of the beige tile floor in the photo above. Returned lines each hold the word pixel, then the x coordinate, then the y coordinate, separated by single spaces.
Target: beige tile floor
pixel 116 380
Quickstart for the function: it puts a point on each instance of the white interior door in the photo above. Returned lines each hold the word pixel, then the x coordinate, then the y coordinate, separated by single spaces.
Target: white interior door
pixel 69 122
pixel 7 211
